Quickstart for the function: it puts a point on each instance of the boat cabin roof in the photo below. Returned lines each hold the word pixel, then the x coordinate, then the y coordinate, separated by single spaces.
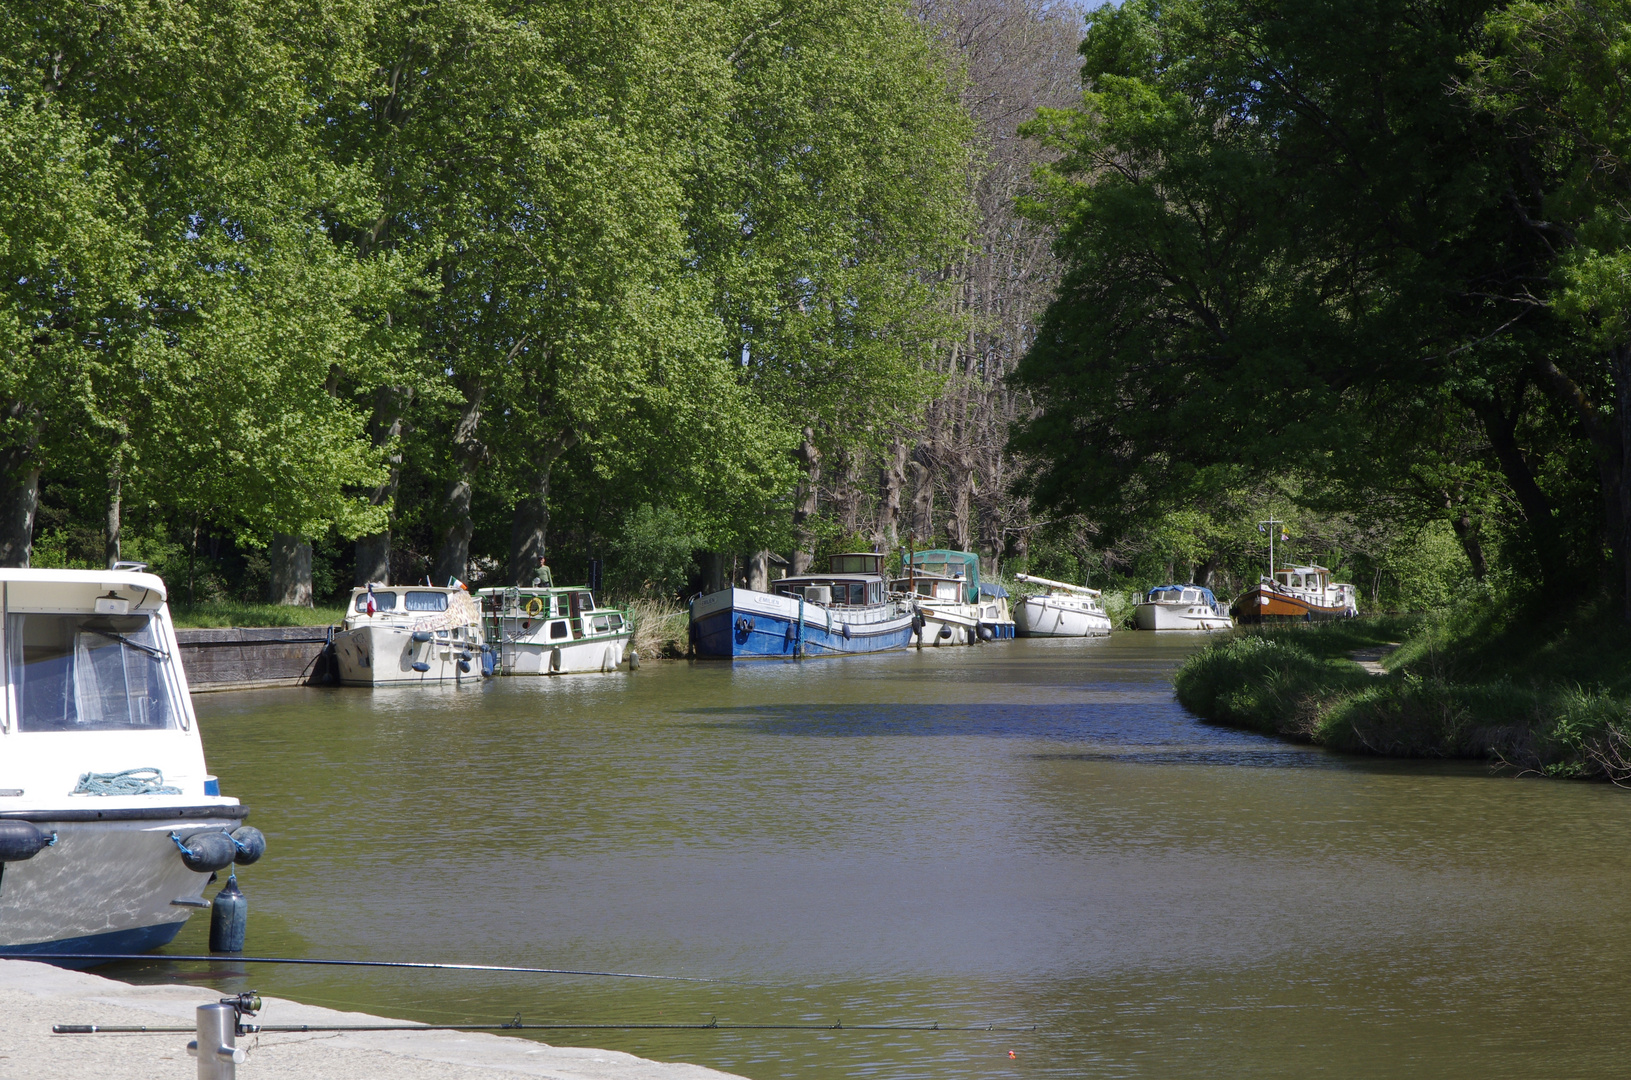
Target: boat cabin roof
pixel 73 590
pixel 953 563
pixel 1303 570
pixel 1174 593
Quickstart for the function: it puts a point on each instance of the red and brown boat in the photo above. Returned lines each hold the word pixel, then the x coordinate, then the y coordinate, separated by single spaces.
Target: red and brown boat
pixel 1296 594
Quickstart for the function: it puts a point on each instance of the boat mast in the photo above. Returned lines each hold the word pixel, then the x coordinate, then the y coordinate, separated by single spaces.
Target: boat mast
pixel 1272 525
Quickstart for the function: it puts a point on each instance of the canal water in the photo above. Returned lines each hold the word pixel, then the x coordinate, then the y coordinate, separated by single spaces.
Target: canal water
pixel 1026 833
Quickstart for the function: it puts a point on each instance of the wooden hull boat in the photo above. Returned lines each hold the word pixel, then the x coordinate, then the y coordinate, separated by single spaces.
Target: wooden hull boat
pixel 1297 594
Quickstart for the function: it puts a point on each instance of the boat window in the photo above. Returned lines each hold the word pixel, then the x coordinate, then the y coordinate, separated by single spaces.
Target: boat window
pixel 857 593
pixel 602 624
pixel 425 601
pixel 616 621
pixel 558 630
pixel 934 568
pixel 945 590
pixel 1190 596
pixel 874 592
pixel 854 564
pixel 383 601
pixel 89 673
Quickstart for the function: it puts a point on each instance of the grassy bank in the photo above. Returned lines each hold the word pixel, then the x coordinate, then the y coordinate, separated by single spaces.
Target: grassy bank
pixel 661 628
pixel 232 613
pixel 1540 691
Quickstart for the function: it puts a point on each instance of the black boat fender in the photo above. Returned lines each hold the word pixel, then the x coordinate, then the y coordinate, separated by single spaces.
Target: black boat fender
pixel 21 840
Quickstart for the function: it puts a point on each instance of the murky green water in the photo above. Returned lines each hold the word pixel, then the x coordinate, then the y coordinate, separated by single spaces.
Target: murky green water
pixel 1019 833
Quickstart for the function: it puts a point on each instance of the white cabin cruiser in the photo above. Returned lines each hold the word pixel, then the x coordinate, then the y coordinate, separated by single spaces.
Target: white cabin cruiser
pixel 110 825
pixel 411 634
pixel 1065 610
pixel 944 617
pixel 1181 607
pixel 545 630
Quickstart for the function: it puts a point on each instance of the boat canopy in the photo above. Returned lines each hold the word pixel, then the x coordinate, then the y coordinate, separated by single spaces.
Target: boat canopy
pixel 988 589
pixel 1174 594
pixel 956 564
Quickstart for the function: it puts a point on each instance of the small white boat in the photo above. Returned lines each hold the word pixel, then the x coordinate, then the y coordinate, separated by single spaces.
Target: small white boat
pixel 944 616
pixel 1181 607
pixel 1065 610
pixel 410 634
pixel 985 603
pixel 110 825
pixel 549 630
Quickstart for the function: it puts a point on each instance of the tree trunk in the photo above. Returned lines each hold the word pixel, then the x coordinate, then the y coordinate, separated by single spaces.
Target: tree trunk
pixel 453 556
pixel 759 572
pixel 893 479
pixel 962 506
pixel 716 569
pixel 922 498
pixel 19 487
pixel 1537 508
pixel 1466 531
pixel 529 528
pixel 110 548
pixel 1620 356
pixel 384 428
pixel 807 502
pixel 290 557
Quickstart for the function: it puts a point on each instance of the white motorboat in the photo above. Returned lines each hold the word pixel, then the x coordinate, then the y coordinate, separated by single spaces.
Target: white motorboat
pixel 983 602
pixel 1181 607
pixel 110 825
pixel 945 617
pixel 550 630
pixel 410 634
pixel 1065 610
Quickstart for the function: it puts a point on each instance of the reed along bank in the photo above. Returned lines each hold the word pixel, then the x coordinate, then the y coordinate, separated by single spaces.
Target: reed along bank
pixel 1502 681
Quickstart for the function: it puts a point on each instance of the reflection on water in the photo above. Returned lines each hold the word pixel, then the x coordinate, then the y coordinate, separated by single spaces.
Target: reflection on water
pixel 1026 832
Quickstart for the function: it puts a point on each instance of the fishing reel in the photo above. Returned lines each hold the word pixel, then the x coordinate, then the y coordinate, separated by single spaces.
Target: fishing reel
pixel 245 1004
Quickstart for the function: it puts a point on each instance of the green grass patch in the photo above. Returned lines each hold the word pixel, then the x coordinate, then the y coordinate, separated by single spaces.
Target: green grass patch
pixel 231 613
pixel 1542 692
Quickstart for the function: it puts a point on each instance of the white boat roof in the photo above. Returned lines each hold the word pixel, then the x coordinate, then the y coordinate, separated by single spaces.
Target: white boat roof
pixel 1303 570
pixel 103 580
pixel 360 589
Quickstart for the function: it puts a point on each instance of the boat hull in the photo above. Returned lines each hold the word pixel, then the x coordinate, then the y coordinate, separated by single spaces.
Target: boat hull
pixel 569 657
pixel 104 886
pixel 1035 617
pixel 1148 616
pixel 385 655
pixel 1260 605
pixel 740 624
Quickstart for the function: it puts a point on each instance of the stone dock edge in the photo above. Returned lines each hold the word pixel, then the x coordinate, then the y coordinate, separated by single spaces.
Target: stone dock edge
pixel 34 996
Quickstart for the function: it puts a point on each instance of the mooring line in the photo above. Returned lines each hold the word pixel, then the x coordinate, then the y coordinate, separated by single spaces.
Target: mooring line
pixel 417 965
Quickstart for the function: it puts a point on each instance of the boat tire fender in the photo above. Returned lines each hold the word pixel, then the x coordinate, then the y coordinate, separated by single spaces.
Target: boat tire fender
pixel 744 626
pixel 250 842
pixel 20 840
pixel 206 852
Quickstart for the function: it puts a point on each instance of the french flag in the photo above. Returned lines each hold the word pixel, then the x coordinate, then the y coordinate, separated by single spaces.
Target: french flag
pixel 370 598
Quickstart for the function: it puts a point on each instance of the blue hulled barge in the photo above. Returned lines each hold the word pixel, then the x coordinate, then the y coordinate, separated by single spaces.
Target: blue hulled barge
pixel 846 611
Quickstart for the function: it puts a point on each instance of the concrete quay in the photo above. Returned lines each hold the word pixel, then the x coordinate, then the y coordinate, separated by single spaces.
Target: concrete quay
pixel 34 996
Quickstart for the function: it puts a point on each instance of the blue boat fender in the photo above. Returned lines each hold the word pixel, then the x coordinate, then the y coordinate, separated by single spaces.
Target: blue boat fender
pixel 488 662
pixel 20 840
pixel 846 631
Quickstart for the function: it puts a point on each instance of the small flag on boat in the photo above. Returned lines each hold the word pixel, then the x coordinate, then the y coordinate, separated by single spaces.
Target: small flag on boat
pixel 1284 535
pixel 370 598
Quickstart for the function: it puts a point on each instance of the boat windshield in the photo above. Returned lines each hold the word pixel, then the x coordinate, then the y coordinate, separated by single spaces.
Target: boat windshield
pixel 78 672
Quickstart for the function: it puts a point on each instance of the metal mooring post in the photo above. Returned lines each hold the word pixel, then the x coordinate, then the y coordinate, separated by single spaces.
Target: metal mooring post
pixel 216 1046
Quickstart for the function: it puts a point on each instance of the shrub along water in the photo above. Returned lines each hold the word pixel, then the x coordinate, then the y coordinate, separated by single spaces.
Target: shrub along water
pixel 1500 681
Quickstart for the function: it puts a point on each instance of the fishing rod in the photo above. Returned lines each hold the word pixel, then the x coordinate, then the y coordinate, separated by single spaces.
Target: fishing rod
pixel 518 1025
pixel 412 964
